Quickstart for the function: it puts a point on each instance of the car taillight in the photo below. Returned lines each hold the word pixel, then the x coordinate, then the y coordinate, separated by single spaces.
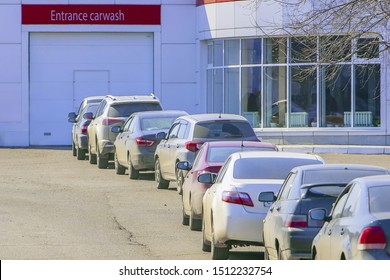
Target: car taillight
pixel 212 169
pixel 193 146
pixel 144 142
pixel 237 198
pixel 296 221
pixel 372 238
pixel 84 128
pixel 110 121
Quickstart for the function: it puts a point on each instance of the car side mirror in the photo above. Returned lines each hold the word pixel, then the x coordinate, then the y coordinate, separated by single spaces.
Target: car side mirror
pixel 161 135
pixel 184 165
pixel 116 129
pixel 267 197
pixel 317 217
pixel 88 116
pixel 207 178
pixel 72 117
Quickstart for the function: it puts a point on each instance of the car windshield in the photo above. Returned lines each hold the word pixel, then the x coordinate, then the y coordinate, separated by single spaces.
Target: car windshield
pixel 157 123
pixel 336 176
pixel 223 130
pixel 220 154
pixel 267 168
pixel 379 199
pixel 126 109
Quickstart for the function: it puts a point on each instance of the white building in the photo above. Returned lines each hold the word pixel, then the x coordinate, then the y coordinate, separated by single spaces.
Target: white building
pixel 199 56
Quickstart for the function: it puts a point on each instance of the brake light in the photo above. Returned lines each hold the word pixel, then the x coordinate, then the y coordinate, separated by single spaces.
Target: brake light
pixel 84 128
pixel 193 146
pixel 372 238
pixel 144 142
pixel 296 221
pixel 110 121
pixel 237 198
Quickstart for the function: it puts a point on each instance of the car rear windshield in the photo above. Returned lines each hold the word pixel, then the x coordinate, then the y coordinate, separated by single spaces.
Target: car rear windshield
pixel 336 175
pixel 324 191
pixel 223 130
pixel 267 168
pixel 157 123
pixel 126 109
pixel 379 199
pixel 220 154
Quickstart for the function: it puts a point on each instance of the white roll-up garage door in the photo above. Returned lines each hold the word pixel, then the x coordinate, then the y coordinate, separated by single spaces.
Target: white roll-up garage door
pixel 66 67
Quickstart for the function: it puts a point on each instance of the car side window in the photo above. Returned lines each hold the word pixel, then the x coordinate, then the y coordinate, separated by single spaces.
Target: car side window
pixel 101 108
pixel 197 158
pixel 223 170
pixel 127 125
pixel 182 133
pixel 339 206
pixel 174 130
pixel 351 203
pixel 133 122
pixel 286 187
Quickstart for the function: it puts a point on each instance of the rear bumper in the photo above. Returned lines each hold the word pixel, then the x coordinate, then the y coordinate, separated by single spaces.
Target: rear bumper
pixel 296 242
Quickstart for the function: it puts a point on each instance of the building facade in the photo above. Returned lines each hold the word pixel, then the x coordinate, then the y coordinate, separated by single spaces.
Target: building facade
pixel 199 56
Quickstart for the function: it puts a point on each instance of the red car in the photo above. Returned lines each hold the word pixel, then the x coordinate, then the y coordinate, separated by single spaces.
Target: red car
pixel 209 159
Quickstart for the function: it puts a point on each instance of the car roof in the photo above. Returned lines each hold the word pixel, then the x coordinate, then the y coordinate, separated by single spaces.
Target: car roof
pixel 374 180
pixel 275 154
pixel 131 98
pixel 213 116
pixel 337 166
pixel 239 143
pixel 161 113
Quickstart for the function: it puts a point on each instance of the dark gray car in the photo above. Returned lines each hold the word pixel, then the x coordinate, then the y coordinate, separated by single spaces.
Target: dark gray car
pixel 287 231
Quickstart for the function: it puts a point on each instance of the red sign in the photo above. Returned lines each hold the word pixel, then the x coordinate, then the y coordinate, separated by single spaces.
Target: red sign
pixel 91 14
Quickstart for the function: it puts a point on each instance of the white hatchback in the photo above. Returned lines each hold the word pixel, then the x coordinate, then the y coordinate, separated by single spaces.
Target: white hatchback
pixel 232 212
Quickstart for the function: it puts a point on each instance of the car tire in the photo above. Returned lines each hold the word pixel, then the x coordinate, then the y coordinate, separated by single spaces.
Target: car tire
pixel 74 151
pixel 119 169
pixel 206 247
pixel 218 253
pixel 102 162
pixel 92 157
pixel 133 173
pixel 195 224
pixel 179 181
pixel 160 181
pixel 80 154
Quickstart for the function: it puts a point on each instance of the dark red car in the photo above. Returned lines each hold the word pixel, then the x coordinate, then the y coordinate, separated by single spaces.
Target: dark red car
pixel 209 159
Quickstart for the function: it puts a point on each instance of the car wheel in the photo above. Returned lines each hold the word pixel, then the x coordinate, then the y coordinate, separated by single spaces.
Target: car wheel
pixel 206 247
pixel 218 253
pixel 92 157
pixel 119 169
pixel 195 224
pixel 102 162
pixel 179 181
pixel 160 181
pixel 185 220
pixel 74 151
pixel 133 173
pixel 80 154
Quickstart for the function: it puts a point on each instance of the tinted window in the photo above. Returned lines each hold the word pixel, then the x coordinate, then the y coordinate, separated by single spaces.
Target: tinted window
pixel 336 176
pixel 351 203
pixel 220 154
pixel 126 109
pixel 379 199
pixel 174 130
pixel 182 134
pixel 324 192
pixel 157 123
pixel 267 168
pixel 286 187
pixel 223 129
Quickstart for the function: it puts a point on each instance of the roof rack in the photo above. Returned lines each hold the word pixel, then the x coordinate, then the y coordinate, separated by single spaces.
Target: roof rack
pixel 111 96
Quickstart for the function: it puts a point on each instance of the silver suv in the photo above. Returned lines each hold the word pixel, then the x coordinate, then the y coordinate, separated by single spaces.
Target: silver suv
pixel 113 111
pixel 186 136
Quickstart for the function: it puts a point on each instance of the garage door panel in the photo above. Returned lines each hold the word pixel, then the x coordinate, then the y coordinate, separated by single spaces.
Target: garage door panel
pixel 126 59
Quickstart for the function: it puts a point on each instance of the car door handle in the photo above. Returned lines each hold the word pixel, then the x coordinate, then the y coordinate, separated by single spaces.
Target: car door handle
pixel 168 145
pixel 177 146
pixel 277 208
pixel 329 231
pixel 342 231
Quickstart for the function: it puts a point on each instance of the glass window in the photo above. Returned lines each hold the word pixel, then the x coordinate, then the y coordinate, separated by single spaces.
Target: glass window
pixel 379 199
pixel 335 49
pixel 303 49
pixel 338 207
pixel 174 130
pixel 232 52
pixel 218 53
pixel 303 96
pixel 223 170
pixel 336 95
pixel 275 96
pixel 157 123
pixel 216 97
pixel 367 95
pixel 126 109
pixel 351 203
pixel 286 187
pixel 251 51
pixel 127 124
pixel 337 175
pixel 367 48
pixel 183 130
pixel 223 130
pixel 275 50
pixel 220 154
pixel 251 95
pixel 232 88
